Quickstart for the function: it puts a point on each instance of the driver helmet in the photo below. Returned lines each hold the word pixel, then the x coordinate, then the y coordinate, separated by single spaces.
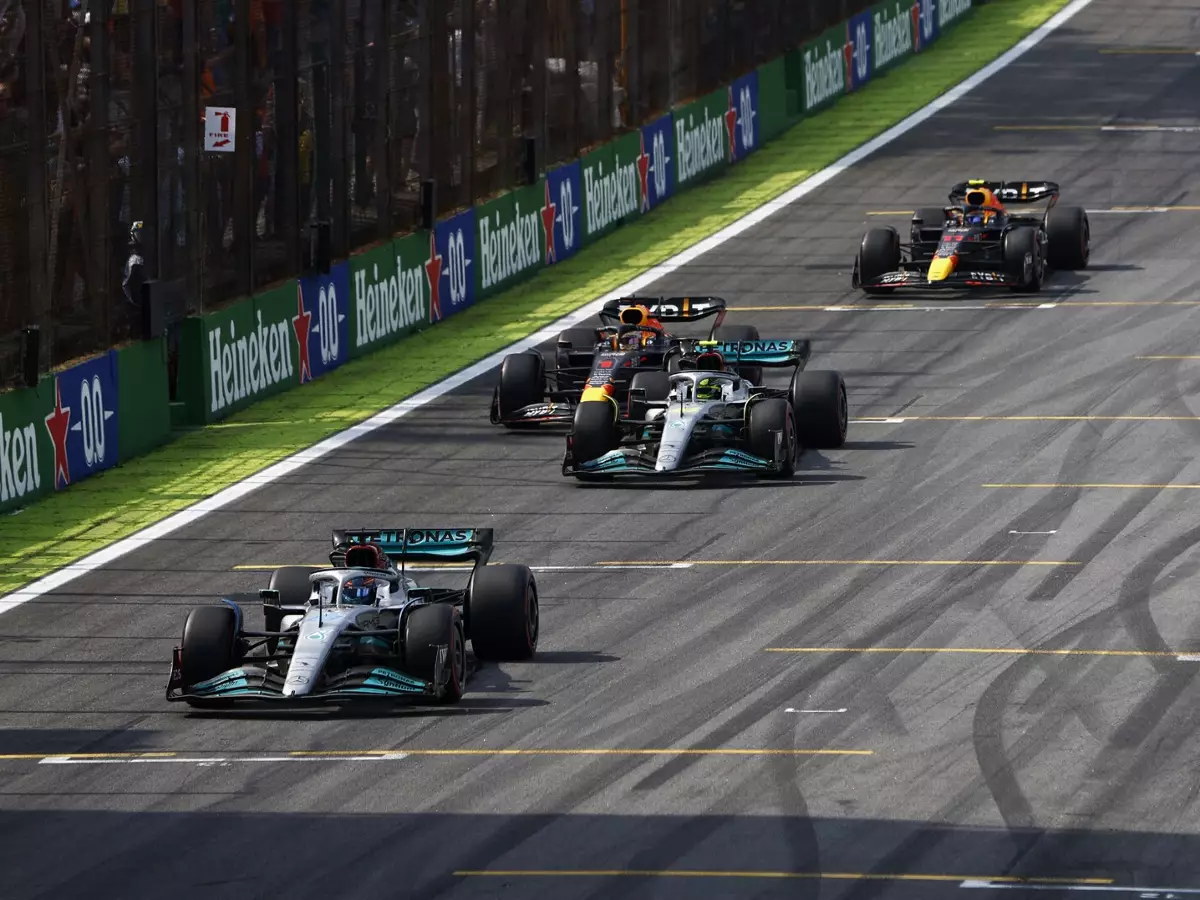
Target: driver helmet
pixel 360 590
pixel 708 388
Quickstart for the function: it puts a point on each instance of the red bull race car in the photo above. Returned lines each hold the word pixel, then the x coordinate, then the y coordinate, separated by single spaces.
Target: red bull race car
pixel 601 362
pixel 978 242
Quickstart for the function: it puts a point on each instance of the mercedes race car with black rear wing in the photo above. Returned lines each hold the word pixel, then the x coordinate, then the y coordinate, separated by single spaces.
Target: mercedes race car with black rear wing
pixel 362 628
pixel 590 362
pixel 977 242
pixel 706 417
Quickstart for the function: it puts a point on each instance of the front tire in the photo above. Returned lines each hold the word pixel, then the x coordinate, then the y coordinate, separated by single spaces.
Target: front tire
pixel 522 383
pixel 657 386
pixel 766 418
pixel 822 411
pixel 427 628
pixel 503 616
pixel 878 254
pixel 594 431
pixel 208 648
pixel 1024 260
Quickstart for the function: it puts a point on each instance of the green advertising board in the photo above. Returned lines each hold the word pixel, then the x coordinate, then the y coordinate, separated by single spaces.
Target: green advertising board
pixel 701 139
pixel 893 24
pixel 824 69
pixel 389 292
pixel 511 239
pixel 612 191
pixel 26 452
pixel 143 397
pixel 773 113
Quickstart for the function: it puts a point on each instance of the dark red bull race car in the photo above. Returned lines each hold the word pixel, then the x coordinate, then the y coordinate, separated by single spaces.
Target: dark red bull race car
pixel 978 242
pixel 600 362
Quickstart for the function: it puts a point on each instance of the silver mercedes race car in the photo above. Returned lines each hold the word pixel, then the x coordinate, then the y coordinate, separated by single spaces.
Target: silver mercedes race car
pixel 705 417
pixel 361 628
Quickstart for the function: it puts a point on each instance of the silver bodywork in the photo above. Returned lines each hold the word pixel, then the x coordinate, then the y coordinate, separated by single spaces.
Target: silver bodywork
pixel 319 630
pixel 681 411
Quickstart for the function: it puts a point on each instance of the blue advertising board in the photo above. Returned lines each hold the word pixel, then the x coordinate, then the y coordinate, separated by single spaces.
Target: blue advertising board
pixel 927 27
pixel 325 299
pixel 658 141
pixel 83 422
pixel 859 34
pixel 454 239
pixel 564 193
pixel 743 116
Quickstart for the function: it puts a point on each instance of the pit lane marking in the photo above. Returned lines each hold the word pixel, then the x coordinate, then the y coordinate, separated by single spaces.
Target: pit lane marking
pixel 1010 880
pixel 1045 418
pixel 955 306
pixel 1148 893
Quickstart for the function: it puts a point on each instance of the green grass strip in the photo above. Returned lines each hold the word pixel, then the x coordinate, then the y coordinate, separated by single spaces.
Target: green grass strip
pixel 62 528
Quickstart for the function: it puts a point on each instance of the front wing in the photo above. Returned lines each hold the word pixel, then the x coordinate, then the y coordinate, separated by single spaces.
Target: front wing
pixel 959 280
pixel 535 414
pixel 251 682
pixel 634 461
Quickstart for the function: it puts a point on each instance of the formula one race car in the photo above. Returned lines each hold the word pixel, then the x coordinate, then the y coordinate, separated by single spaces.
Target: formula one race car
pixel 362 628
pixel 706 418
pixel 977 242
pixel 604 360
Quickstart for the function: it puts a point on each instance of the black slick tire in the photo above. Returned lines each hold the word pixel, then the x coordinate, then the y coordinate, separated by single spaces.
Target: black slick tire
pixel 819 401
pixel 1023 260
pixel 753 374
pixel 594 431
pixel 878 254
pixel 522 383
pixel 657 386
pixel 294 590
pixel 503 617
pixel 208 648
pixel 427 628
pixel 766 418
pixel 1068 238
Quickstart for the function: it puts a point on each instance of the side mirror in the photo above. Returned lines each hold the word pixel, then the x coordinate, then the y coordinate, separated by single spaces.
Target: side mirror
pixel 269 597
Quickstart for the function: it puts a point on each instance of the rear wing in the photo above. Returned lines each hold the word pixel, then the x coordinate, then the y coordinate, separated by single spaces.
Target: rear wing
pixel 667 309
pixel 1008 191
pixel 407 545
pixel 777 352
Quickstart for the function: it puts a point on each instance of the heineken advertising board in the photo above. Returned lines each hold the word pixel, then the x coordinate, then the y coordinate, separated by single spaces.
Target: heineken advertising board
pixel 451 276
pixel 389 287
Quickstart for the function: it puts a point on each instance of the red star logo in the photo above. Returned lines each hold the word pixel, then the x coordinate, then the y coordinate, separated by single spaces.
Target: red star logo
pixel 300 325
pixel 643 167
pixel 433 274
pixel 731 118
pixel 848 52
pixel 549 213
pixel 56 424
pixel 916 26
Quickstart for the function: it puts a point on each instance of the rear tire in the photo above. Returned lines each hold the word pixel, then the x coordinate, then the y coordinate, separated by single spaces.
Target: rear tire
pixel 767 417
pixel 294 590
pixel 209 647
pixel 522 383
pixel 503 617
pixel 1068 238
pixel 927 234
pixel 594 431
pixel 427 628
pixel 657 386
pixel 576 349
pixel 1019 244
pixel 822 411
pixel 752 374
pixel 878 254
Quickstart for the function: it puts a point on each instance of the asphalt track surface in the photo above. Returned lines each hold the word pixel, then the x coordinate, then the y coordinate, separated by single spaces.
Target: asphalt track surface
pixel 980 764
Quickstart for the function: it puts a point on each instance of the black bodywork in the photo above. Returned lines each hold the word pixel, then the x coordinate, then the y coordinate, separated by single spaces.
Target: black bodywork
pixel 605 360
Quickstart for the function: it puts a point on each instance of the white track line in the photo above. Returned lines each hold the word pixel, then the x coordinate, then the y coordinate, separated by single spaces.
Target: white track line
pixel 1151 893
pixel 288 466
